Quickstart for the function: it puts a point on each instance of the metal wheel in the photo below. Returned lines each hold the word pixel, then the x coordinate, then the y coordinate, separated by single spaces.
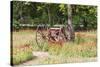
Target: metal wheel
pixel 64 34
pixel 41 36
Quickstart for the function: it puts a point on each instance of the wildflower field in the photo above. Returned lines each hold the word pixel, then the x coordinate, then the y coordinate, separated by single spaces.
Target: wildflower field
pixel 84 47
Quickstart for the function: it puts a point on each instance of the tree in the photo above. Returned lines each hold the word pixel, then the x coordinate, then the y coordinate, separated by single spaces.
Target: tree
pixel 83 17
pixel 70 30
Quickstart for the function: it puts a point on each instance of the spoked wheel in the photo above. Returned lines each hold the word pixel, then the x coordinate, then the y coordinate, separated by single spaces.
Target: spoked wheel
pixel 41 36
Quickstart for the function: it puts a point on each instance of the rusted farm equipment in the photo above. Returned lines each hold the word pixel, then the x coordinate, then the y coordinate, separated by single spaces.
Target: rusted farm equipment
pixel 44 33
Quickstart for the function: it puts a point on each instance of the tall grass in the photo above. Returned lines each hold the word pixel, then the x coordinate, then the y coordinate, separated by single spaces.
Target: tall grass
pixel 21 47
pixel 84 46
pixel 21 55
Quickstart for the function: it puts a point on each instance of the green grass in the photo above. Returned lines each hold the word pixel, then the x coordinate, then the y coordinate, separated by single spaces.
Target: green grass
pixel 20 52
pixel 21 57
pixel 69 53
pixel 84 46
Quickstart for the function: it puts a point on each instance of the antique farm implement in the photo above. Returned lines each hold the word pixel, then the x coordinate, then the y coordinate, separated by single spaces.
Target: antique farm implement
pixel 44 34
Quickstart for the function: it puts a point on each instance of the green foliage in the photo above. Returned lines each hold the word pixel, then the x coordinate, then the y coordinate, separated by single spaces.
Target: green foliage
pixel 50 13
pixel 86 16
pixel 16 25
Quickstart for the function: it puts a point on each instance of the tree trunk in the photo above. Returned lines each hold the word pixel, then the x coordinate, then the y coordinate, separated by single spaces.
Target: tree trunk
pixel 49 15
pixel 71 34
pixel 85 24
